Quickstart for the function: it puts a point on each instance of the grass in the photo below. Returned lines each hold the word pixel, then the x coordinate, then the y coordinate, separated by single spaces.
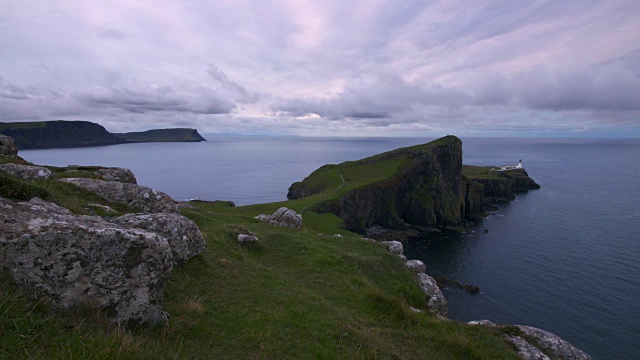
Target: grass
pixel 299 294
pixel 480 172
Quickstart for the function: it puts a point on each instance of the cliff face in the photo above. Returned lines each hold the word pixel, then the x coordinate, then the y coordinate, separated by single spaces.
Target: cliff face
pixel 163 135
pixel 425 190
pixel 58 134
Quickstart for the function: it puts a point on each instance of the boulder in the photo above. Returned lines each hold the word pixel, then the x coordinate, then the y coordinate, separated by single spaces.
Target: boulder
pixel 183 235
pixel 248 238
pixel 117 174
pixel 525 349
pixel 73 260
pixel 135 196
pixel 394 247
pixel 552 344
pixel 437 302
pixel 283 217
pixel 8 146
pixel 27 172
pixel 482 323
pixel 416 266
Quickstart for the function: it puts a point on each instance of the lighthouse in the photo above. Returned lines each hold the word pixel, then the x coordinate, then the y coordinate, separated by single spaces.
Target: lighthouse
pixel 519 166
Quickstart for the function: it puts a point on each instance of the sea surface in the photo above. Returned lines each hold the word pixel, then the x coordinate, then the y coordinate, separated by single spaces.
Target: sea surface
pixel 564 258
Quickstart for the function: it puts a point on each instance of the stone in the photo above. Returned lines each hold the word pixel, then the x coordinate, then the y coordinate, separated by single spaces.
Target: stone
pixel 436 301
pixel 416 266
pixel 135 196
pixel 248 238
pixel 183 235
pixel 8 146
pixel 525 349
pixel 481 323
pixel 552 345
pixel 282 217
pixel 117 174
pixel 394 247
pixel 27 172
pixel 73 260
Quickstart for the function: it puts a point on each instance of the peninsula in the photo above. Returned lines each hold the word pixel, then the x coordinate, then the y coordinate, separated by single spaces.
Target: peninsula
pixel 69 134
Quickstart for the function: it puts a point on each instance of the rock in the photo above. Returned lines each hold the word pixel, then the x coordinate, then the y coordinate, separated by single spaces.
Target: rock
pixel 416 266
pixel 526 350
pixel 183 235
pixel 394 247
pixel 437 302
pixel 27 172
pixel 73 260
pixel 7 146
pixel 104 208
pixel 135 196
pixel 283 217
pixel 117 174
pixel 248 238
pixel 552 344
pixel 481 322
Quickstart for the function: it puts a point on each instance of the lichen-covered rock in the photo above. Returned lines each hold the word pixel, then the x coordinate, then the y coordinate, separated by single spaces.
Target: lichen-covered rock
pixel 437 302
pixel 248 238
pixel 183 235
pixel 117 174
pixel 482 323
pixel 27 172
pixel 525 349
pixel 283 217
pixel 135 196
pixel 394 247
pixel 416 266
pixel 552 345
pixel 74 260
pixel 8 146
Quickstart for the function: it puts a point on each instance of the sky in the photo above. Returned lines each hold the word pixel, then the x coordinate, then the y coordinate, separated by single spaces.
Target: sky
pixel 558 68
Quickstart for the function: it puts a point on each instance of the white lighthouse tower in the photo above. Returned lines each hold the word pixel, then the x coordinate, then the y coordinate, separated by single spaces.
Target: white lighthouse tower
pixel 519 166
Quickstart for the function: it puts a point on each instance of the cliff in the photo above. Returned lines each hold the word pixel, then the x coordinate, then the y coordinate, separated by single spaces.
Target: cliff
pixel 163 135
pixel 424 185
pixel 58 134
pixel 419 185
pixel 68 134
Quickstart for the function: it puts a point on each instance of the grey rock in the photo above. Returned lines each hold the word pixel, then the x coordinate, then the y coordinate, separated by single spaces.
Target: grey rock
pixel 481 323
pixel 183 235
pixel 27 172
pixel 282 217
pixel 104 208
pixel 248 238
pixel 553 345
pixel 8 146
pixel 73 260
pixel 525 349
pixel 416 266
pixel 117 174
pixel 394 247
pixel 135 196
pixel 436 301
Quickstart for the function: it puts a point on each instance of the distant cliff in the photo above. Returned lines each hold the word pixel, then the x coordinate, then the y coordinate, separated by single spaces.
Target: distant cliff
pixel 163 135
pixel 68 134
pixel 58 134
pixel 422 185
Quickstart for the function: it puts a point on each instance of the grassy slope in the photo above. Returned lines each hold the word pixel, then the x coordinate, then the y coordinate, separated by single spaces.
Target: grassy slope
pixel 480 172
pixel 297 295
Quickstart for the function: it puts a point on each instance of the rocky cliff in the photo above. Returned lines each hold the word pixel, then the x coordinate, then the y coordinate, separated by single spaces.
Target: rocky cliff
pixel 58 134
pixel 424 185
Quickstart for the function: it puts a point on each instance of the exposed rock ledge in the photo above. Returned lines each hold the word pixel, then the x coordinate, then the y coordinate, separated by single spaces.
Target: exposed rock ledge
pixel 72 260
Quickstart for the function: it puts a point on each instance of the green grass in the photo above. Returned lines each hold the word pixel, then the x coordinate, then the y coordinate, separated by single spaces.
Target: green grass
pixel 299 294
pixel 480 172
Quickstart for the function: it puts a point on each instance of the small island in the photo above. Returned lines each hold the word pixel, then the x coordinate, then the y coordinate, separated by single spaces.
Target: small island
pixel 70 134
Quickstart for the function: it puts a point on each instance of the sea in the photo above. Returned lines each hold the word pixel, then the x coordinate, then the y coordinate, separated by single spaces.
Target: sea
pixel 564 258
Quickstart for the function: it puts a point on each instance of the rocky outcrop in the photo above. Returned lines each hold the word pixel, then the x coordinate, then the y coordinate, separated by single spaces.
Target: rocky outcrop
pixel 7 146
pixel 135 196
pixel 74 260
pixel 536 344
pixel 26 172
pixel 117 174
pixel 183 235
pixel 437 302
pixel 282 217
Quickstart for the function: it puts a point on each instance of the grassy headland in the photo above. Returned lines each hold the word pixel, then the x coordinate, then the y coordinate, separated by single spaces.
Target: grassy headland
pixel 298 294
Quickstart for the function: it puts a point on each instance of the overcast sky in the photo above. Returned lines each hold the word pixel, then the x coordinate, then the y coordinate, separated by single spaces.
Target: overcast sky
pixel 326 68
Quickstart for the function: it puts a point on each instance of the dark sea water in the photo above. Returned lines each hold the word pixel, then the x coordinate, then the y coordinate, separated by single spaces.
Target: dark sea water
pixel 563 258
